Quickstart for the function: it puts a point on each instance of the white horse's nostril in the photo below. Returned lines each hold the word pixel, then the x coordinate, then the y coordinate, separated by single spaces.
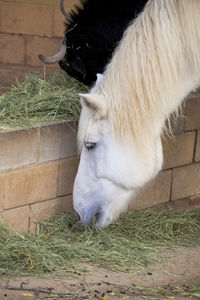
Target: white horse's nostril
pixel 97 216
pixel 77 214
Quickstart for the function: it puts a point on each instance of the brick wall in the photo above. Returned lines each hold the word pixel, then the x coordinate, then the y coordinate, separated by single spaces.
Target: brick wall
pixel 28 28
pixel 178 184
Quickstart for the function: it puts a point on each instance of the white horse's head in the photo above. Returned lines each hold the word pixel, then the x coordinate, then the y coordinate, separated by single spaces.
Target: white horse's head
pixel 111 169
pixel 155 66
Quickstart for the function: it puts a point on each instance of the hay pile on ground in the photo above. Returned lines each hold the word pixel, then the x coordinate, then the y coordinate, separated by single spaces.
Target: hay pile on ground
pixel 35 101
pixel 61 244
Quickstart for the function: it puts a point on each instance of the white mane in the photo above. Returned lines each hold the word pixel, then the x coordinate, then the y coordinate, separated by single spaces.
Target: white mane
pixel 153 67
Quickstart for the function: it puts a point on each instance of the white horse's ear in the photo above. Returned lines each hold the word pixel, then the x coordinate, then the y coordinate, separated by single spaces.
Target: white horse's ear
pixel 99 78
pixel 94 102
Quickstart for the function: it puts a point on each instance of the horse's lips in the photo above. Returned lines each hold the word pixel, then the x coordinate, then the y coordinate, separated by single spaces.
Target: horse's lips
pixel 87 213
pixel 101 221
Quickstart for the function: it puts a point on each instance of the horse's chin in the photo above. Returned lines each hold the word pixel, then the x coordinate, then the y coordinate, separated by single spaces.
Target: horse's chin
pixel 102 220
pixel 91 208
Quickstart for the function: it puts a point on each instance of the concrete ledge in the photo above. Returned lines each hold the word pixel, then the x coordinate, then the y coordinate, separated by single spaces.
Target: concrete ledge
pixel 60 139
pixel 37 145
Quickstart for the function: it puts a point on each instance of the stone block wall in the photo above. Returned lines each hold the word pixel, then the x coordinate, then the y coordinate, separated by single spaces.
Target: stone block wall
pixel 37 170
pixel 178 184
pixel 28 28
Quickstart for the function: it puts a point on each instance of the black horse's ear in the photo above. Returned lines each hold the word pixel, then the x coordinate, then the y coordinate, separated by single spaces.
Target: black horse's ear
pixel 79 67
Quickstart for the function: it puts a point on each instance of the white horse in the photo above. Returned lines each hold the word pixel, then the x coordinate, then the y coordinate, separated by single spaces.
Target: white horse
pixel 155 66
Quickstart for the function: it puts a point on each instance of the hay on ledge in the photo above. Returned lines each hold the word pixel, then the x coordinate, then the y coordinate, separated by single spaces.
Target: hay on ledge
pixel 36 102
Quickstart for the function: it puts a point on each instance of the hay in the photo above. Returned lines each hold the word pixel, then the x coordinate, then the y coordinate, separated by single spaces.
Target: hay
pixel 35 101
pixel 61 244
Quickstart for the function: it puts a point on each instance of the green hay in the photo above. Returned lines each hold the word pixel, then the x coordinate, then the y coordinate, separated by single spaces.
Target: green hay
pixel 62 244
pixel 35 101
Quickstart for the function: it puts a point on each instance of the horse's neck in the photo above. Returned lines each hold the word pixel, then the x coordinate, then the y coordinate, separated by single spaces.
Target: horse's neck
pixel 188 82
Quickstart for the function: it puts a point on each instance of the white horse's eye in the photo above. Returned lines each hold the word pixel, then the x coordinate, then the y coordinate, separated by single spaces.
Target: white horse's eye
pixel 90 145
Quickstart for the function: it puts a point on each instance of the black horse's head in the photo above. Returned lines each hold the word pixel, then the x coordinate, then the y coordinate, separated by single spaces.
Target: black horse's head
pixel 91 35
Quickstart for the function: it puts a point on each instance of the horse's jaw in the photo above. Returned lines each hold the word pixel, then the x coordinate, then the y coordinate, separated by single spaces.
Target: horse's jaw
pixel 110 175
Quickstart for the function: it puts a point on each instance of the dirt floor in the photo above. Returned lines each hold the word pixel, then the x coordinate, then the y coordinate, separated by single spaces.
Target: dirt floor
pixel 178 278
